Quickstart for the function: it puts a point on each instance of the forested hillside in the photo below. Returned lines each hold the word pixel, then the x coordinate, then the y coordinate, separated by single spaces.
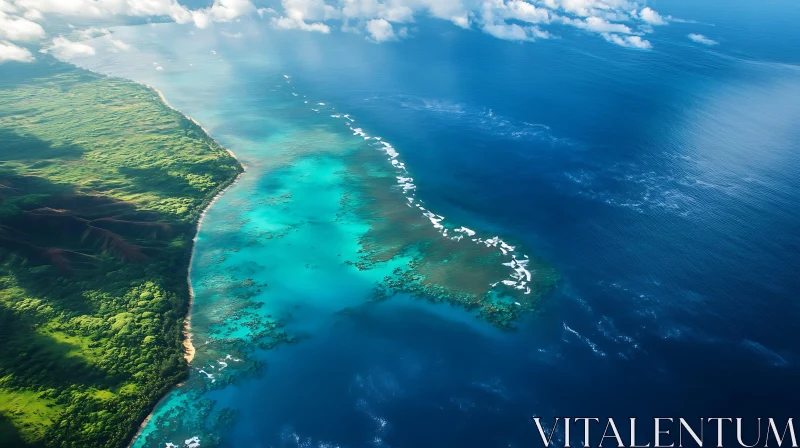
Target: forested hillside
pixel 101 187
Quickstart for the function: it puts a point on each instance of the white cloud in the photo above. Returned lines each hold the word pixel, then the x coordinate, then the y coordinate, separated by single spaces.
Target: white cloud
pixel 229 10
pixel 651 17
pixel 590 8
pixel 33 14
pixel 100 9
pixel 628 41
pixel 120 45
pixel 298 14
pixel 92 32
pixel 599 25
pixel 699 38
pixel 312 10
pixel 63 48
pixel 5 6
pixel 19 29
pixel 461 20
pixel 495 14
pixel 618 21
pixel 219 11
pixel 512 31
pixel 232 35
pixel 11 52
pixel 222 11
pixel 286 23
pixel 265 11
pixel 526 12
pixel 114 45
pixel 200 19
pixel 395 11
pixel 380 30
pixel 145 8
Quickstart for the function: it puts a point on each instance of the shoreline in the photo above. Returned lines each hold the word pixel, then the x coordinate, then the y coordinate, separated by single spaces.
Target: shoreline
pixel 187 327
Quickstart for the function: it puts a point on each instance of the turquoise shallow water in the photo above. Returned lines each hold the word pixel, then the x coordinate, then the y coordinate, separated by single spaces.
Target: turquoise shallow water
pixel 661 185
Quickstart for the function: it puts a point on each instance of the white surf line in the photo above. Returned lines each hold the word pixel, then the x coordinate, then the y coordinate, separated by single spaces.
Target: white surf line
pixel 209 376
pixel 519 279
pixel 221 364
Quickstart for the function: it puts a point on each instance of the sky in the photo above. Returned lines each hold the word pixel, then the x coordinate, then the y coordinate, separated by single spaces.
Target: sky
pixel 24 24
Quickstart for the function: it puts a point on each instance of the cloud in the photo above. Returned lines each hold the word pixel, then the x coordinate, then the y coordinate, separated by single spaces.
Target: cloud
pixel 651 17
pixel 33 14
pixel 63 48
pixel 515 32
pixel 265 11
pixel 699 38
pixel 5 6
pixel 92 32
pixel 114 45
pixel 19 29
pixel 380 30
pixel 120 45
pixel 298 14
pixel 312 10
pixel 498 12
pixel 102 9
pixel 617 21
pixel 285 23
pixel 219 11
pixel 229 10
pixel 518 20
pixel 591 8
pixel 200 19
pixel 461 20
pixel 599 25
pixel 628 41
pixel 525 12
pixel 222 11
pixel 11 52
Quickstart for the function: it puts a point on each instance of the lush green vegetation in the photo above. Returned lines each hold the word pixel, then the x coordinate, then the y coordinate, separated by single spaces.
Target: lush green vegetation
pixel 101 187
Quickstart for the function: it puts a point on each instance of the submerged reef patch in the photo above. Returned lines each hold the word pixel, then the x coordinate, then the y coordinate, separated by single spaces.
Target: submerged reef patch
pixel 446 263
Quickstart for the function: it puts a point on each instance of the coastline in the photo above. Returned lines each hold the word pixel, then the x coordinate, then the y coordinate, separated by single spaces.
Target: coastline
pixel 187 328
pixel 187 341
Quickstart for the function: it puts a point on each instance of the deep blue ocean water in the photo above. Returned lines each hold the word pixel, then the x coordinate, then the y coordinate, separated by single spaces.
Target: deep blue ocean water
pixel 662 185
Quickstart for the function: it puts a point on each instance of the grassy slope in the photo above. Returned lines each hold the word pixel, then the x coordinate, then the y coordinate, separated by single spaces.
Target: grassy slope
pixel 101 186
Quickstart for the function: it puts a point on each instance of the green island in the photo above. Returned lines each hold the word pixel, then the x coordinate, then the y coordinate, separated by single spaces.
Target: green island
pixel 102 186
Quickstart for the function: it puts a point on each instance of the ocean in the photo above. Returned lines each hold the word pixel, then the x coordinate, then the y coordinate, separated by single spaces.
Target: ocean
pixel 660 185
